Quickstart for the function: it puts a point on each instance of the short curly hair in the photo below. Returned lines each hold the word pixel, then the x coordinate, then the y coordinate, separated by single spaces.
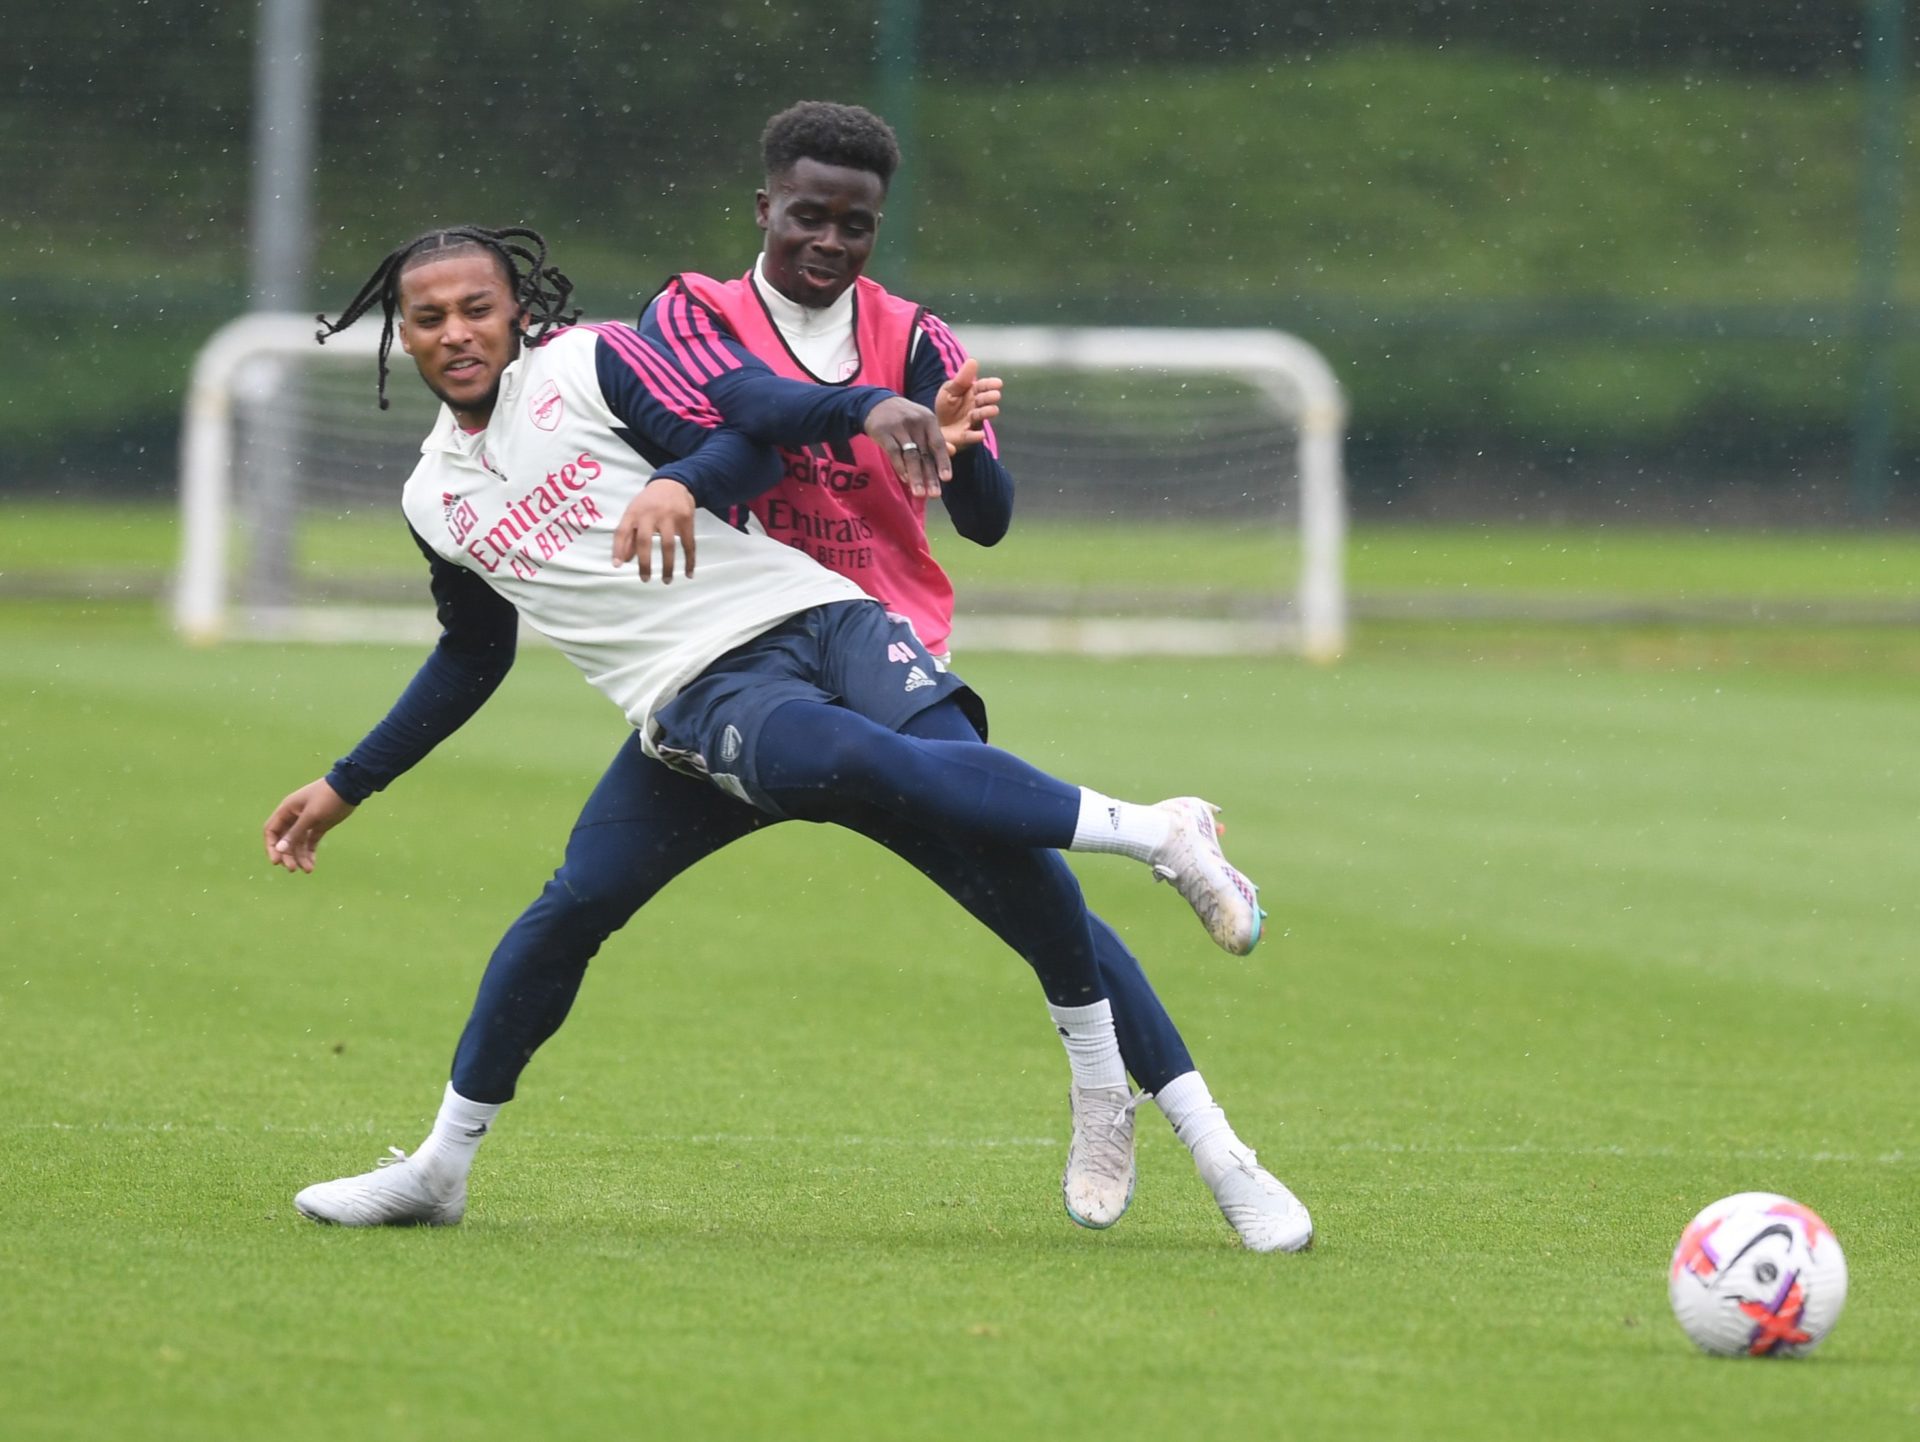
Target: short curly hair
pixel 831 134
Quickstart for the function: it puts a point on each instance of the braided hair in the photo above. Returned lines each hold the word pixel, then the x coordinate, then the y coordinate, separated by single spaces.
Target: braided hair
pixel 540 291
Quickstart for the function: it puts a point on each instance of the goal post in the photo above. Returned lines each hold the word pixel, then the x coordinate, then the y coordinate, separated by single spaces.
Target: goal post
pixel 281 436
pixel 1282 371
pixel 1118 438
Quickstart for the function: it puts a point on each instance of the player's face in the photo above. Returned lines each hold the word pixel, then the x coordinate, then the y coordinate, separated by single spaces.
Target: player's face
pixel 458 322
pixel 820 222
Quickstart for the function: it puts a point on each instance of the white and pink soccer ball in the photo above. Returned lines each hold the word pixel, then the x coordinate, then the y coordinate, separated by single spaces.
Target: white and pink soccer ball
pixel 1757 1275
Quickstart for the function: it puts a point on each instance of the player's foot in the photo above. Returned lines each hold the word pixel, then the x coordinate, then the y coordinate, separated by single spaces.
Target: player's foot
pixel 401 1191
pixel 1257 1204
pixel 1226 902
pixel 1098 1183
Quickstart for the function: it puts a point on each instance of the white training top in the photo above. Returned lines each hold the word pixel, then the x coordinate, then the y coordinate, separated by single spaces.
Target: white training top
pixel 531 503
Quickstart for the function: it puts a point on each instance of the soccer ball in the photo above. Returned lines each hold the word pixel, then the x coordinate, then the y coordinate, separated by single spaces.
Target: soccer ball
pixel 1757 1275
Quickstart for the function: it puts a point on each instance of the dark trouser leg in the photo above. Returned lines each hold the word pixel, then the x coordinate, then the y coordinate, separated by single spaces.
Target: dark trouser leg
pixel 1029 899
pixel 816 758
pixel 1013 902
pixel 1150 1044
pixel 643 826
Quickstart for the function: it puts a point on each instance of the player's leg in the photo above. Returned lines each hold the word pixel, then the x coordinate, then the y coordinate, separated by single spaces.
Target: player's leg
pixel 807 716
pixel 852 656
pixel 1262 1210
pixel 1013 894
pixel 643 825
pixel 810 751
pixel 1150 1044
pixel 1259 1207
pixel 1032 901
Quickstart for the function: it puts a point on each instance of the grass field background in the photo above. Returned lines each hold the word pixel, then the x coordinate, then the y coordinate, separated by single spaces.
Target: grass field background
pixel 1574 930
pixel 85 549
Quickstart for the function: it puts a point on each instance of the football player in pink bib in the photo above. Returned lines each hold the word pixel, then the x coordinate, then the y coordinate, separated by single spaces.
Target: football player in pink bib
pixel 807 312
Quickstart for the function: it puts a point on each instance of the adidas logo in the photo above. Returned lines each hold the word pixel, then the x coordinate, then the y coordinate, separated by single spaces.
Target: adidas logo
pixel 916 678
pixel 1113 817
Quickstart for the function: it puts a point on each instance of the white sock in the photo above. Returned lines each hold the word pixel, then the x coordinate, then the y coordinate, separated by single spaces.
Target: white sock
pixel 457 1133
pixel 1093 1051
pixel 1198 1121
pixel 1123 827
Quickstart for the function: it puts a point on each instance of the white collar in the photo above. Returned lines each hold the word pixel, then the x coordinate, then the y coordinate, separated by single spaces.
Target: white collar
pixel 449 435
pixel 803 320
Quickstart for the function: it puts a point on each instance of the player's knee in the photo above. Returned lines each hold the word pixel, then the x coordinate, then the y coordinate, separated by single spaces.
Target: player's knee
pixel 596 896
pixel 1058 889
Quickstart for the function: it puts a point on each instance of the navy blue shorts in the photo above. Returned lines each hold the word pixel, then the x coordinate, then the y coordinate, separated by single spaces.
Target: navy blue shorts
pixel 845 653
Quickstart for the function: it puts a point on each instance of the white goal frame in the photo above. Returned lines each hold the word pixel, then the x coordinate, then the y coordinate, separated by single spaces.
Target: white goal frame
pixel 1287 371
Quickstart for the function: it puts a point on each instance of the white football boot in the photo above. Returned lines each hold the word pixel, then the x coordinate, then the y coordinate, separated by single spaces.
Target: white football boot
pixel 1226 902
pixel 1257 1204
pixel 401 1191
pixel 1097 1185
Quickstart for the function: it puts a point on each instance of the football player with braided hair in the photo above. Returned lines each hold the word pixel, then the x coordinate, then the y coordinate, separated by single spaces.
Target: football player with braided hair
pixel 540 291
pixel 768 688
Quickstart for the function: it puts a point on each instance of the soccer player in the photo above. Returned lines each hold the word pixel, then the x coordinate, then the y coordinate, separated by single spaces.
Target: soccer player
pixel 772 686
pixel 806 312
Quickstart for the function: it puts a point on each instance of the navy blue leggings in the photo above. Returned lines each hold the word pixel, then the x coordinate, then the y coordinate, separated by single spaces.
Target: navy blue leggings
pixel 644 824
pixel 815 758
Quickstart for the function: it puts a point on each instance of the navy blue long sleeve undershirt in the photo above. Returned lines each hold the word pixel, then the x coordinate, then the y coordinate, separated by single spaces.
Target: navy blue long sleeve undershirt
pixel 782 412
pixel 687 441
pixel 479 631
pixel 979 498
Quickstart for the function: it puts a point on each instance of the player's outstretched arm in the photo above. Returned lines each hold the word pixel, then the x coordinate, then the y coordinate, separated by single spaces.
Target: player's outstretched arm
pixel 478 628
pixel 781 412
pixel 292 834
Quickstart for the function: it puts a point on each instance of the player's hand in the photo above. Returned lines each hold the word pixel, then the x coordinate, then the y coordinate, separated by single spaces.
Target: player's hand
pixel 965 404
pixel 297 824
pixel 663 509
pixel 910 435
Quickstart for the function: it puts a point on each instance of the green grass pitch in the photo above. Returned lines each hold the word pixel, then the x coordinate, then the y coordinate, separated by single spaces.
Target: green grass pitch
pixel 1570 935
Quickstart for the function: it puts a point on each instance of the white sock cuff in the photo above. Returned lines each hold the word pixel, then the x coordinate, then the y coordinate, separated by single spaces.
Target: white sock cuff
pixel 456 1108
pixel 461 1125
pixel 1093 1048
pixel 1182 1096
pixel 1077 1018
pixel 1125 828
pixel 1190 1109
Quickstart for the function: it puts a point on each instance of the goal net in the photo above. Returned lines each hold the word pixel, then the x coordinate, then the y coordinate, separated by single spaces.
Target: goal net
pixel 1178 491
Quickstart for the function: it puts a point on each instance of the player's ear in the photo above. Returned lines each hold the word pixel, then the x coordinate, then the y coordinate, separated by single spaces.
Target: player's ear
pixel 403 333
pixel 762 208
